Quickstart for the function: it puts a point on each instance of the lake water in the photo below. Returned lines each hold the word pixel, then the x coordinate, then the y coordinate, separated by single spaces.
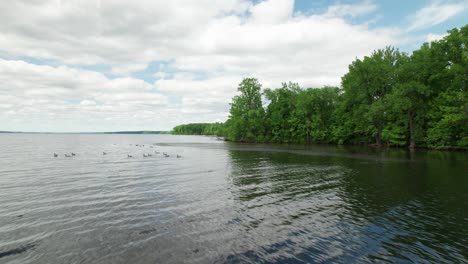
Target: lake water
pixel 226 203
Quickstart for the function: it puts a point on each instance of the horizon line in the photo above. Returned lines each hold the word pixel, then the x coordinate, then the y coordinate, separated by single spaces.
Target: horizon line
pixel 93 132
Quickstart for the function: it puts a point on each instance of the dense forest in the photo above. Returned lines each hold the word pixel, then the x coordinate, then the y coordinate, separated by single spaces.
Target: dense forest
pixel 388 98
pixel 198 129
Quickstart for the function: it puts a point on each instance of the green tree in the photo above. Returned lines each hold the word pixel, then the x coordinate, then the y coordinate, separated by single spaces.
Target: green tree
pixel 448 115
pixel 246 118
pixel 365 86
pixel 313 114
pixel 388 97
pixel 216 129
pixel 278 114
pixel 410 96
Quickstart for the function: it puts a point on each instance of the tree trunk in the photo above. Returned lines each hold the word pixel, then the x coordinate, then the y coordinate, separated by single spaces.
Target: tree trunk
pixel 378 137
pixel 411 127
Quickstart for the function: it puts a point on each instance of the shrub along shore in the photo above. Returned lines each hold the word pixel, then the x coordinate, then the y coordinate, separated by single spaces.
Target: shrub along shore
pixel 388 98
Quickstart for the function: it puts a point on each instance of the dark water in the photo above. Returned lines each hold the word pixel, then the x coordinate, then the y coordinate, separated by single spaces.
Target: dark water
pixel 227 203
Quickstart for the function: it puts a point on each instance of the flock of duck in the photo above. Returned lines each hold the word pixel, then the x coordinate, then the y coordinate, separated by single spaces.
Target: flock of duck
pixel 66 155
pixel 145 155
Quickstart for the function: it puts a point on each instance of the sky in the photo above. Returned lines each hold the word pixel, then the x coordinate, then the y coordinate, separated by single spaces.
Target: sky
pixel 96 65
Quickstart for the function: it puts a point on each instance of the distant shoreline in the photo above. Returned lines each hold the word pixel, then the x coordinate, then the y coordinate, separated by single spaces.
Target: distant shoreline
pixel 115 132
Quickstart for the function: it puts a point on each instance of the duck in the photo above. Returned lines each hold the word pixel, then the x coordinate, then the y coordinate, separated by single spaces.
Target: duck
pixel 179 156
pixel 144 155
pixel 55 155
pixel 103 153
pixel 67 156
pixel 129 156
pixel 73 154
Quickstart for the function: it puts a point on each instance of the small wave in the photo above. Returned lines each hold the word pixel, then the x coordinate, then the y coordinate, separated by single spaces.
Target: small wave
pixel 17 250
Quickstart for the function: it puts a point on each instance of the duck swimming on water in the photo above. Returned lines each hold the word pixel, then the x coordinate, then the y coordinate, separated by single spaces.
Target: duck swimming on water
pixel 55 155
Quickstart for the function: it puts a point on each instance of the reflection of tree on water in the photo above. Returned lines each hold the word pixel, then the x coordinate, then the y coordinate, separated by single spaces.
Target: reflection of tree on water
pixel 287 203
pixel 412 209
pixel 396 206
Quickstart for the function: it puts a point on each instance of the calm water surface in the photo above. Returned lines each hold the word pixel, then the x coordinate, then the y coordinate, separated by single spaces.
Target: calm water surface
pixel 226 203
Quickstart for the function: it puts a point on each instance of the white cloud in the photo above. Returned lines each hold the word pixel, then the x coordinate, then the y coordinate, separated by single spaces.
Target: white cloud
pixel 128 68
pixel 434 14
pixel 272 11
pixel 34 92
pixel 87 102
pixel 433 37
pixel 207 48
pixel 124 34
pixel 353 10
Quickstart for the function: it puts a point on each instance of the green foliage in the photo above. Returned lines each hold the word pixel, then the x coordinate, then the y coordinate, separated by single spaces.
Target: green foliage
pixel 448 113
pixel 386 98
pixel 246 120
pixel 448 120
pixel 279 111
pixel 216 129
pixel 366 86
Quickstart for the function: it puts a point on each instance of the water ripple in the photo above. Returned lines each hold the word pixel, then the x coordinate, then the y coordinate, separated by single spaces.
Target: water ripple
pixel 226 203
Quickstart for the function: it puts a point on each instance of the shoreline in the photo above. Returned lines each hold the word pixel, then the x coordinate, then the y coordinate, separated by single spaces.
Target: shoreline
pixel 220 138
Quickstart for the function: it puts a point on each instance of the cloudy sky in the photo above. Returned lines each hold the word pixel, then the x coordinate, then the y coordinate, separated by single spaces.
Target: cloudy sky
pixel 97 65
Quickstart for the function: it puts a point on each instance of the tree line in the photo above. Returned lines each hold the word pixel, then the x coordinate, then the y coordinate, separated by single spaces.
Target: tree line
pixel 388 98
pixel 198 129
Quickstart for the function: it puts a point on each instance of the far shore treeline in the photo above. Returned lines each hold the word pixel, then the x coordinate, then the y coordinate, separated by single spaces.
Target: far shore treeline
pixel 388 98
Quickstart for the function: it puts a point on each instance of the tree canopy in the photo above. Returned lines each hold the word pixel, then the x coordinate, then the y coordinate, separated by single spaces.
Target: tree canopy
pixel 388 98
